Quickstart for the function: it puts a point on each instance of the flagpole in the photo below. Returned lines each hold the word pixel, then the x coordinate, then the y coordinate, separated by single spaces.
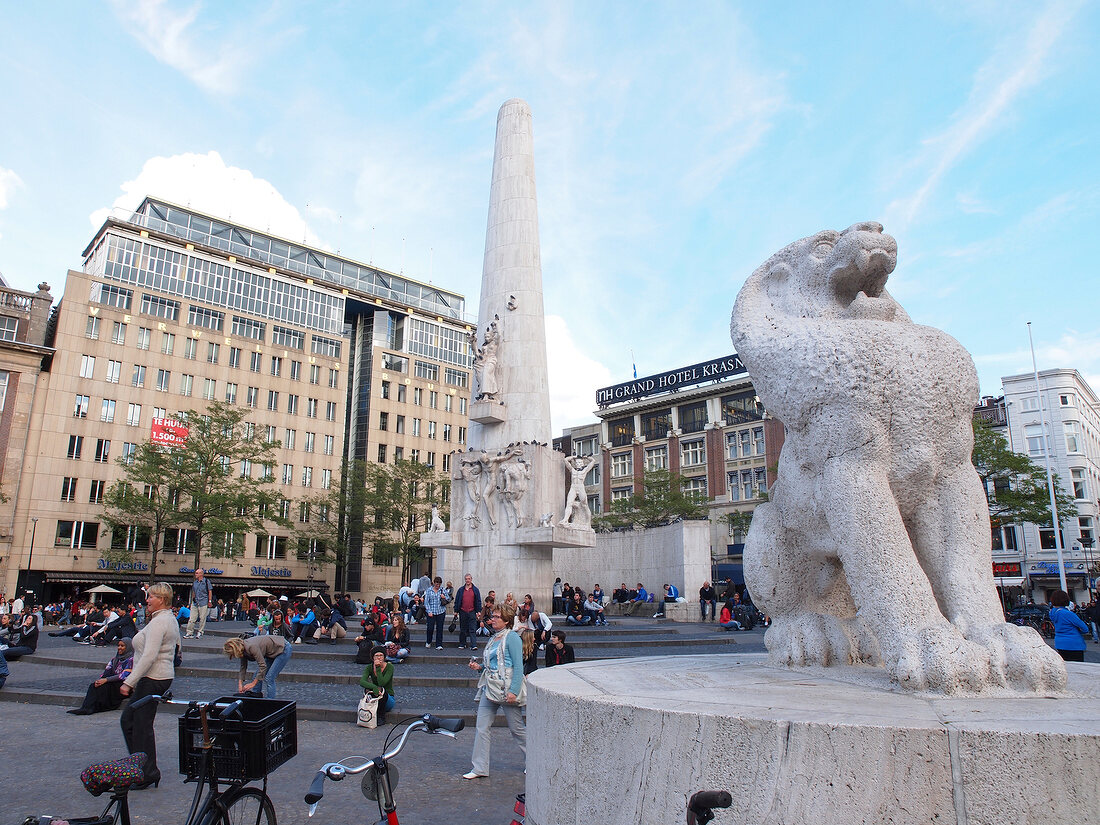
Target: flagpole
pixel 1050 474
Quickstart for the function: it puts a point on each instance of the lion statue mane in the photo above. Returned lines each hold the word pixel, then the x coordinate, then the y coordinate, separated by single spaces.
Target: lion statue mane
pixel 874 546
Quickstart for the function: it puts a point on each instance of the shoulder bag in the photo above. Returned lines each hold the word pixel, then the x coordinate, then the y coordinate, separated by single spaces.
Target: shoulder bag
pixel 367 715
pixel 496 682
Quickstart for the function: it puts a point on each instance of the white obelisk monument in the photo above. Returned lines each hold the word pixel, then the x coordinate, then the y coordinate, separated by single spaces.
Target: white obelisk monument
pixel 510 489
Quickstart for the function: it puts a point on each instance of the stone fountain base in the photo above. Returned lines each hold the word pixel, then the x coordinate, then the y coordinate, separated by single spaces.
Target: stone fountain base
pixel 627 742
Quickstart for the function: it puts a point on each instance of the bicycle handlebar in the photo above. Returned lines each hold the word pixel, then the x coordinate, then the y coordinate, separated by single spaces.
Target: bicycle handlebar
pixel 166 698
pixel 337 770
pixel 701 804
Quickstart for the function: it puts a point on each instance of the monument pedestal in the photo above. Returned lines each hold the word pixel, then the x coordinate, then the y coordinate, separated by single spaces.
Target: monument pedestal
pixel 628 742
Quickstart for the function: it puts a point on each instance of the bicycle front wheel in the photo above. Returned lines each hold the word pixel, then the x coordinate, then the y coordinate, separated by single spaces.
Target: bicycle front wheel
pixel 245 806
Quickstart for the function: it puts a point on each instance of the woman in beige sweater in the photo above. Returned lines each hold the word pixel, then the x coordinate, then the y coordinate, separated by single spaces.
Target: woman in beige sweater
pixel 154 654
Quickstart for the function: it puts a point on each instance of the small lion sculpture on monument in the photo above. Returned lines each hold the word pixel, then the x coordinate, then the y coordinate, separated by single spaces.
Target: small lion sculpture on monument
pixel 874 544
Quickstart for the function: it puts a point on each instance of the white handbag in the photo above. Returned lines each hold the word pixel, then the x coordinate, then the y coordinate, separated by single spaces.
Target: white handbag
pixel 367 716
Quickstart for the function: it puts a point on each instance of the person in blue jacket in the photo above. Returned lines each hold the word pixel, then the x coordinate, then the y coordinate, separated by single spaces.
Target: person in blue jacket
pixel 303 624
pixel 672 593
pixel 1069 631
pixel 504 655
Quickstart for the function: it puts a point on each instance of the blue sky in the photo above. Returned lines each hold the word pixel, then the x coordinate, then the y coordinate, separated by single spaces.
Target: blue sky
pixel 677 146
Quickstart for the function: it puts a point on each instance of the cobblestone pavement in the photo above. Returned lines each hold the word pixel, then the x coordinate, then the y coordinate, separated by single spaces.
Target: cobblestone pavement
pixel 42 761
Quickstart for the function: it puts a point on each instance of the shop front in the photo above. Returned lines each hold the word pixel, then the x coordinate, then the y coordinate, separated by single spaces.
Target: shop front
pixel 1010 584
pixel 1043 580
pixel 279 581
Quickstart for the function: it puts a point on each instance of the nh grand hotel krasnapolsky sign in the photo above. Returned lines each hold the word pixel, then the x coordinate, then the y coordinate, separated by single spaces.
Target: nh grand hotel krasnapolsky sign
pixel 714 370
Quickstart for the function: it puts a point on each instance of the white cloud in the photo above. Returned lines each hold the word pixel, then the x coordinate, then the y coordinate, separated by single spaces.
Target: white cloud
pixel 9 182
pixel 998 83
pixel 168 32
pixel 207 184
pixel 574 377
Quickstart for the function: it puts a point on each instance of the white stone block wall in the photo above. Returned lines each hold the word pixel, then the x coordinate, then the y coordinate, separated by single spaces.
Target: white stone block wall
pixel 678 554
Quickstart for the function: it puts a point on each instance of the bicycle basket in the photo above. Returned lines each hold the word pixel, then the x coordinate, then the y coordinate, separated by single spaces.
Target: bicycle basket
pixel 251 747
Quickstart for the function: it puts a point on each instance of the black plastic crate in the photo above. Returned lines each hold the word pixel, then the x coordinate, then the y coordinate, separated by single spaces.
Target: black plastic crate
pixel 251 747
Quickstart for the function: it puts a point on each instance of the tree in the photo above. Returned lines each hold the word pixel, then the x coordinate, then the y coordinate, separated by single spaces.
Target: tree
pixel 328 520
pixel 1015 486
pixel 226 473
pixel 397 501
pixel 660 501
pixel 219 483
pixel 142 500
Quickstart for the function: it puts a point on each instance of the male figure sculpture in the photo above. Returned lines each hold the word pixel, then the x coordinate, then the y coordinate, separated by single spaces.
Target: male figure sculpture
pixel 469 471
pixel 576 500
pixel 514 476
pixel 874 543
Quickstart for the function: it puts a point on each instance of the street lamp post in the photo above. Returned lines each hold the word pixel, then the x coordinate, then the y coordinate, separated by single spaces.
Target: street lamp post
pixel 1086 544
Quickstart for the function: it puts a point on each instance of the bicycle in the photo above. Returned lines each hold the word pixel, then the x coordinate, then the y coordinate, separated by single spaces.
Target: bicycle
pixel 231 754
pixel 379 785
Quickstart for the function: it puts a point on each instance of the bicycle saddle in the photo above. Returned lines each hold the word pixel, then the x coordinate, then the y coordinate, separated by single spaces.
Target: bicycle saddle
pixel 116 775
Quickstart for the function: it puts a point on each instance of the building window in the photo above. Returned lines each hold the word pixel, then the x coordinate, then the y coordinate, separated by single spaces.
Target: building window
pixel 381 453
pixel 102 450
pixel 1067 400
pixel 235 357
pixel 326 479
pixel 91 329
pixel 212 352
pixel 276 365
pixel 190 348
pixel 187 383
pixel 273 400
pixel 167 342
pixel 138 378
pixel 77 535
pixel 694 487
pixel 311 439
pixel 329 443
pixel 247 328
pixel 133 414
pixel 160 307
pixel 383 389
pixel 394 363
pixel 461 435
pixel 656 458
pixel 401 390
pixel 80 406
pixel 693 417
pixel 462 405
pixel 414 456
pixel 107 411
pixel 87 366
pixel 307 476
pixel 95 495
pixel 288 474
pixel 399 426
pixel 251 396
pixel 118 333
pixel 398 454
pixel 622 431
pixel 741 408
pixel 426 370
pixel 114 296
pixel 246 468
pixel 433 399
pixel 114 369
pixel 76 444
pixel 325 346
pixel 163 379
pixel 254 361
pixel 206 318
pixel 68 489
pixel 292 404
pixel 656 425
pixel 311 408
pixel 448 402
pixel 1073 436
pixel 144 334
pixel 129 448
pixel 315 376
pixel 1034 435
pixel 383 421
pixel 230 393
pixel 446 432
pixel 295 370
pixel 416 426
pixel 620 493
pixel 693 453
pixel 456 378
pixel 289 338
pixel 1080 489
pixel 330 411
pixel 209 387
pixel 622 464
pixel 431 429
pixel 334 379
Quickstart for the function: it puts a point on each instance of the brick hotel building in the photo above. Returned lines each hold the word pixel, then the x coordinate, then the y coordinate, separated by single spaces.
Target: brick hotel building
pixel 173 309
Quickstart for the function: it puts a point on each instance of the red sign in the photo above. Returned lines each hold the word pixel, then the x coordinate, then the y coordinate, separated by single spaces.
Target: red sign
pixel 1004 568
pixel 168 432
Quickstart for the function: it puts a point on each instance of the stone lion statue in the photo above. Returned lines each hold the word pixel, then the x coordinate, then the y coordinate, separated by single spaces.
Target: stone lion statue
pixel 874 546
